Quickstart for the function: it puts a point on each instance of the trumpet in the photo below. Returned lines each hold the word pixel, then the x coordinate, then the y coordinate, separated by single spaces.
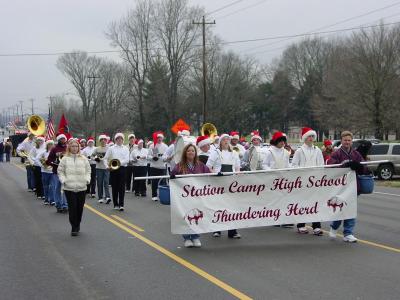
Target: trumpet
pixel 114 164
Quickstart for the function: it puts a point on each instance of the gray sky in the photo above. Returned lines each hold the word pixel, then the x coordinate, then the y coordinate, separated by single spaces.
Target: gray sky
pixel 42 26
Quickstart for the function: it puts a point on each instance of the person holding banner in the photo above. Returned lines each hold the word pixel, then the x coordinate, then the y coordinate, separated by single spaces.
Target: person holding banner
pixel 224 159
pixel 190 164
pixel 349 157
pixel 308 155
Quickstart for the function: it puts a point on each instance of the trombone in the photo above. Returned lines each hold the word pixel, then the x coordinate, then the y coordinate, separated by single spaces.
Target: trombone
pixel 114 164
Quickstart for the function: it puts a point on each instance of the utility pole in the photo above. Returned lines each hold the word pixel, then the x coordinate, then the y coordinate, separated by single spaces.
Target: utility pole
pixel 203 23
pixel 22 112
pixel 32 100
pixel 94 77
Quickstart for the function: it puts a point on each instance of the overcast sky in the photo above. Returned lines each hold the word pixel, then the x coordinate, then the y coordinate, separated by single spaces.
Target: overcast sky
pixel 43 26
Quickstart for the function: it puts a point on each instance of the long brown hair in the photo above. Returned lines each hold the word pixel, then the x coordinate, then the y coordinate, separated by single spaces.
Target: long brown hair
pixel 183 168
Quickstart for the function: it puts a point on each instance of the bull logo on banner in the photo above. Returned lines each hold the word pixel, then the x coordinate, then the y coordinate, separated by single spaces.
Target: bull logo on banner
pixel 335 203
pixel 194 215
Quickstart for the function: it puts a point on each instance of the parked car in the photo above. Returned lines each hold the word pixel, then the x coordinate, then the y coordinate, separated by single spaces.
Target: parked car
pixel 356 142
pixel 390 152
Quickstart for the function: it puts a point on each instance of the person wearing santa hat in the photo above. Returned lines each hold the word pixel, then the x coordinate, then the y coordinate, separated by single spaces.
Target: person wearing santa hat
pixel 88 152
pixel 33 158
pixel 203 142
pixel 157 165
pixel 235 138
pixel 102 173
pixel 277 157
pixel 327 150
pixel 53 160
pixel 129 169
pixel 224 159
pixel 120 152
pixel 47 172
pixel 139 158
pixel 255 152
pixel 308 155
pixel 82 142
pixel 26 147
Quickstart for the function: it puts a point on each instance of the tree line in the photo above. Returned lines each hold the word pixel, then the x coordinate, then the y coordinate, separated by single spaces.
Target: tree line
pixel 347 82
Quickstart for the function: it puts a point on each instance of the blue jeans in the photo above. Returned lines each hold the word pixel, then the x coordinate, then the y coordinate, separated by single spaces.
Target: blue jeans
pixel 1 156
pixel 8 155
pixel 348 226
pixel 58 198
pixel 47 187
pixel 30 178
pixel 190 236
pixel 103 178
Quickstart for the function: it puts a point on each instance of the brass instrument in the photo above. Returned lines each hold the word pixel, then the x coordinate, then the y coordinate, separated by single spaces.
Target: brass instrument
pixel 210 130
pixel 36 125
pixel 236 148
pixel 23 154
pixel 114 164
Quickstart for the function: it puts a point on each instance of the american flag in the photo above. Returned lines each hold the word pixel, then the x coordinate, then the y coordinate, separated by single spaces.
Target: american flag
pixel 50 128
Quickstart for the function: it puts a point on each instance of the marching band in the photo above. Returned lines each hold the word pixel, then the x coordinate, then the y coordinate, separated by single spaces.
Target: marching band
pixel 120 165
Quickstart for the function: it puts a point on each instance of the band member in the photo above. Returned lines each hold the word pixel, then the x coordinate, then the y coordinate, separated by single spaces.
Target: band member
pixel 53 160
pixel 33 158
pixel 190 164
pixel 254 156
pixel 129 169
pixel 204 144
pixel 121 153
pixel 47 172
pixel 157 165
pixel 139 158
pixel 224 159
pixel 1 151
pixel 102 173
pixel 74 175
pixel 327 150
pixel 26 147
pixel 277 157
pixel 215 144
pixel 349 157
pixel 82 143
pixel 168 156
pixel 88 153
pixel 236 146
pixel 308 155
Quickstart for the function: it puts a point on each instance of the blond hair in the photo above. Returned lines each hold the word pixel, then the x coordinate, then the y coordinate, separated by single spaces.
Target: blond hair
pixel 346 133
pixel 70 142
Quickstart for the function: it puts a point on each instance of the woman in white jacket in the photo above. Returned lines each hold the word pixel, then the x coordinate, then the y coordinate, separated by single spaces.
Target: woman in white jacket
pixel 74 174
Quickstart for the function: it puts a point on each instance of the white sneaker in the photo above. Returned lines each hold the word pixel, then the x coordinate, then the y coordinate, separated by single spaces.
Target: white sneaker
pixel 101 201
pixel 332 233
pixel 302 230
pixel 216 234
pixel 318 231
pixel 121 208
pixel 127 191
pixel 196 243
pixel 116 207
pixel 154 198
pixel 108 200
pixel 350 239
pixel 236 235
pixel 93 195
pixel 188 244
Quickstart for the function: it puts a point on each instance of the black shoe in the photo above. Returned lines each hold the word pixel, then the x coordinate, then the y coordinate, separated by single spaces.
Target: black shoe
pixel 59 210
pixel 108 201
pixel 65 210
pixel 143 195
pixel 137 194
pixel 74 233
pixel 287 225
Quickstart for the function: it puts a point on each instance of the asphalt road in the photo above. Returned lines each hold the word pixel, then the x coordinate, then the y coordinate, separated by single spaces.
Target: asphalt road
pixel 112 260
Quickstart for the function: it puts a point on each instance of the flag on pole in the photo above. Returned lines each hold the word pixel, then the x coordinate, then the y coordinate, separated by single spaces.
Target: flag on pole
pixel 63 125
pixel 50 128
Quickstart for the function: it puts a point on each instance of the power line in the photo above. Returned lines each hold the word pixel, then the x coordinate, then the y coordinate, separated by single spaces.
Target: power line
pixel 330 25
pixel 223 7
pixel 223 43
pixel 242 9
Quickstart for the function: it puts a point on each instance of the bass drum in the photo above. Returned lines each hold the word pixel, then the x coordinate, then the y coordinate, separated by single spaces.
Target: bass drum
pixel 180 143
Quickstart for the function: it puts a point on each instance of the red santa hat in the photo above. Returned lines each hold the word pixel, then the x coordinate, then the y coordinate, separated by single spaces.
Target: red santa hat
pixel 139 142
pixel 306 132
pixel 103 136
pixel 235 135
pixel 222 136
pixel 327 143
pixel 255 135
pixel 40 138
pixel 119 135
pixel 278 137
pixel 61 136
pixel 156 135
pixel 203 140
pixel 90 139
pixel 82 140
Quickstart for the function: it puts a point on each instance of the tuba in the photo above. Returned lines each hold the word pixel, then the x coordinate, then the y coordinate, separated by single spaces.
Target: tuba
pixel 210 130
pixel 36 125
pixel 114 164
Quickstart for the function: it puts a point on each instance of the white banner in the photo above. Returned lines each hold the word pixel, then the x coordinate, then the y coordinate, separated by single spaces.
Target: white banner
pixel 217 203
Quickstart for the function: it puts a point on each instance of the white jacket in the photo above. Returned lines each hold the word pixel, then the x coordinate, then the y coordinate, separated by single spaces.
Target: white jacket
pixel 306 156
pixel 74 172
pixel 276 158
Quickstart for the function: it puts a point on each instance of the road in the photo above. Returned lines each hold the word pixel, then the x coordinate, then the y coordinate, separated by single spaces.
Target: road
pixel 133 255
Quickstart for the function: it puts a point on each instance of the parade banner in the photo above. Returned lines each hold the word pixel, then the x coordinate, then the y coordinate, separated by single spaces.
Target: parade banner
pixel 217 203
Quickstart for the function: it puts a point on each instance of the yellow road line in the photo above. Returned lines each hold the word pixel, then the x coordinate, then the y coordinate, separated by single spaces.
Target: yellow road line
pixel 173 256
pixel 377 245
pixel 128 224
